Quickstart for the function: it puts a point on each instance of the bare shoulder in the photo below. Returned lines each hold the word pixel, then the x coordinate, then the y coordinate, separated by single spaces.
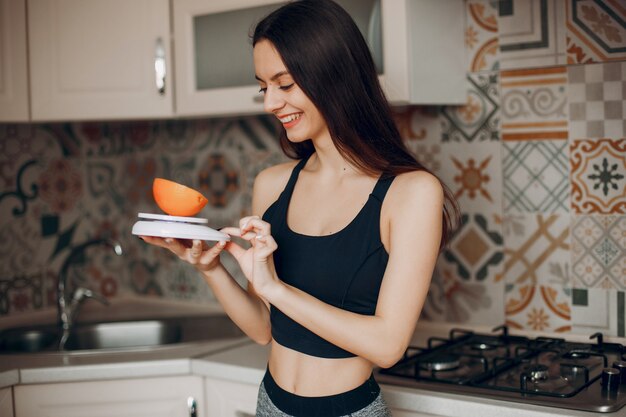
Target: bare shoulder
pixel 415 188
pixel 268 185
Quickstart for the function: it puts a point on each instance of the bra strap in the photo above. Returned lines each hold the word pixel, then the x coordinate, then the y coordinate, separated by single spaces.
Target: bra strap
pixel 381 188
pixel 294 175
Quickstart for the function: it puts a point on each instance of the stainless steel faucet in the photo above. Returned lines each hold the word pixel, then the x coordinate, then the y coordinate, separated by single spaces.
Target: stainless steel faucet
pixel 67 312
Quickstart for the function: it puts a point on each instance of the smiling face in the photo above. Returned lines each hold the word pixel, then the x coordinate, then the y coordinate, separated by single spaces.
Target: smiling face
pixel 284 98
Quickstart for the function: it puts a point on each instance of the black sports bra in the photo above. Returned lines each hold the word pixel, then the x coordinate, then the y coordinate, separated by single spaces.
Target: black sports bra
pixel 344 269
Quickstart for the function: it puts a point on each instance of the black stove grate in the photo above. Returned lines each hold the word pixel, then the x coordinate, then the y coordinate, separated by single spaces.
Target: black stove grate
pixel 549 371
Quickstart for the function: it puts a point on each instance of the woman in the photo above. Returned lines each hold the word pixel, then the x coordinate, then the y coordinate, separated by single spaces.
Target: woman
pixel 344 239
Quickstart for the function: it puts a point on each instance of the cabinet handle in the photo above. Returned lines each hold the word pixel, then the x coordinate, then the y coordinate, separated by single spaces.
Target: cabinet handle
pixel 258 99
pixel 192 406
pixel 159 66
pixel 240 413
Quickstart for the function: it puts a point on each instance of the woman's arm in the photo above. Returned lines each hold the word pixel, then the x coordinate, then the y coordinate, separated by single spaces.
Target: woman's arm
pixel 247 311
pixel 413 207
pixel 244 307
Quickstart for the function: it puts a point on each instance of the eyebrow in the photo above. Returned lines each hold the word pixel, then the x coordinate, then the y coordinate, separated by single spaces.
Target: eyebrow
pixel 274 77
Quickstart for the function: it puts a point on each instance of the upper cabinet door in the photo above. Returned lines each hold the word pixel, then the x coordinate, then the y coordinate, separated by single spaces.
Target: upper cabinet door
pixel 417 46
pixel 214 68
pixel 424 51
pixel 13 66
pixel 94 59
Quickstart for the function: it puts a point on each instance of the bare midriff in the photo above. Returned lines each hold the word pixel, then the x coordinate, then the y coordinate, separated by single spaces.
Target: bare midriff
pixel 310 376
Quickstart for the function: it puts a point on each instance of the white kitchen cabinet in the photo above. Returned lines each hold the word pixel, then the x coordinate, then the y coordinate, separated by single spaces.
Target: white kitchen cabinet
pixel 13 63
pixel 148 397
pixel 229 399
pixel 417 46
pixel 6 402
pixel 94 59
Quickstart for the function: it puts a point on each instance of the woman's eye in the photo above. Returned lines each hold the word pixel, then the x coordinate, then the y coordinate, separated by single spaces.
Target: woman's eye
pixel 286 87
pixel 262 90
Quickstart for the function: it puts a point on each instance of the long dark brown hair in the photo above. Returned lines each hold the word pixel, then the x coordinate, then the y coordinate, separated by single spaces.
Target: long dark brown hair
pixel 329 59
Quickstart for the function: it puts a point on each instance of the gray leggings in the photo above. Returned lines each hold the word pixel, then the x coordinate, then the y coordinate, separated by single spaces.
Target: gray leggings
pixel 266 408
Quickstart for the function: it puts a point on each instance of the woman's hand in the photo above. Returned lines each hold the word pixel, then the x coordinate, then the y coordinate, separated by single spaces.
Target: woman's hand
pixel 256 262
pixel 196 252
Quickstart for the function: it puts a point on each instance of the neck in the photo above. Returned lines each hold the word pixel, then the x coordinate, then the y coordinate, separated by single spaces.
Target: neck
pixel 327 161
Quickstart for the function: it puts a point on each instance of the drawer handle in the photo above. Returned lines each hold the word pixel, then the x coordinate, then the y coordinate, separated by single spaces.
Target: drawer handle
pixel 239 413
pixel 192 406
pixel 258 99
pixel 159 66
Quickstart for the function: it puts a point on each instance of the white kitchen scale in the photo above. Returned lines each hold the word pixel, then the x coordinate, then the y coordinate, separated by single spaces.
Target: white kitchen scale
pixel 161 225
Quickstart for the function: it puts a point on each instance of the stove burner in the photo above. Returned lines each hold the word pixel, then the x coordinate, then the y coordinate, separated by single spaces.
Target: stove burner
pixel 540 371
pixel 575 354
pixel 537 372
pixel 442 362
pixel 483 346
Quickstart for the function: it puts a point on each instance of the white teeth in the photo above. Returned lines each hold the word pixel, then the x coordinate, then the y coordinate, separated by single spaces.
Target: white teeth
pixel 289 118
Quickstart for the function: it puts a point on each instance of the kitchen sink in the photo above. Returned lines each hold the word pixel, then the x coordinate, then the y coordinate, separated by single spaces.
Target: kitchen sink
pixel 119 334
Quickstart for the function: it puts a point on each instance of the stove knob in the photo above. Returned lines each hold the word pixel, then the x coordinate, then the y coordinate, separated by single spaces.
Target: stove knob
pixel 621 367
pixel 610 379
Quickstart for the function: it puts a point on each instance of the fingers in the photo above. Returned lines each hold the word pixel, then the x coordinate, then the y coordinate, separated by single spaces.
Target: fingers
pixel 173 245
pixel 253 226
pixel 249 228
pixel 233 231
pixel 264 246
pixel 211 253
pixel 235 250
pixel 196 249
pixel 195 252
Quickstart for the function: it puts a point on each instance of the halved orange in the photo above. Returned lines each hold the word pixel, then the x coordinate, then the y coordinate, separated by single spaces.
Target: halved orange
pixel 177 199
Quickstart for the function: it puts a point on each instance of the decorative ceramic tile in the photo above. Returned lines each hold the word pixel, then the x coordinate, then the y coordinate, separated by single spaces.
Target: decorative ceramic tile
pixel 599 310
pixel 542 308
pixel 536 250
pixel 99 139
pixel 481 35
pixel 473 172
pixel 220 180
pixel 256 133
pixel 180 136
pixel 418 123
pixel 61 185
pixel 595 30
pixel 475 251
pixel 20 144
pixel 533 103
pixel 536 176
pixel 476 302
pixel 531 33
pixel 599 251
pixel 119 184
pixel 138 174
pixel 181 281
pixel 25 291
pixel 479 118
pixel 250 165
pixel 597 100
pixel 420 129
pixel 598 175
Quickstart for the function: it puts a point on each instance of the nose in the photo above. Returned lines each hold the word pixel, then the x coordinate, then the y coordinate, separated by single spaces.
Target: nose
pixel 273 100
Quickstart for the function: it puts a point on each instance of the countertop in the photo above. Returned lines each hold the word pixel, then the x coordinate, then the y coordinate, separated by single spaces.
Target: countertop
pixel 247 364
pixel 240 360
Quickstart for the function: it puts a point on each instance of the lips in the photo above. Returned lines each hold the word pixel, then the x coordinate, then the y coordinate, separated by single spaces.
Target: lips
pixel 289 120
pixel 289 117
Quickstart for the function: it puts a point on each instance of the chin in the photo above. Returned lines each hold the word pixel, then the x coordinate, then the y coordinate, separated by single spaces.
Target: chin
pixel 296 138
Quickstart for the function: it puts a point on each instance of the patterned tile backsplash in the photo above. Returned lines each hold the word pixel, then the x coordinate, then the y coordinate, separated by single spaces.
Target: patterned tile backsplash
pixel 536 158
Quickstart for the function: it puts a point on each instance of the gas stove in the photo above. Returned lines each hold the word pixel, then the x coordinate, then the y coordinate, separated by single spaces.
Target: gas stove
pixel 543 371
